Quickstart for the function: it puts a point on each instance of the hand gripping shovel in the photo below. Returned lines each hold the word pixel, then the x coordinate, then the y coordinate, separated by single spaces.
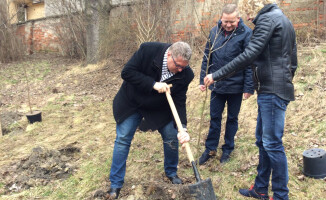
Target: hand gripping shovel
pixel 202 190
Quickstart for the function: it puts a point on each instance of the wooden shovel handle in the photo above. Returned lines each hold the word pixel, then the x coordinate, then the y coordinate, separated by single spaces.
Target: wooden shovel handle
pixel 179 125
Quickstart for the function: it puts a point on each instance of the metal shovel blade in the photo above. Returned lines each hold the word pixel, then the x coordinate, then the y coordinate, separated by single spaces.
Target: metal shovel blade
pixel 202 190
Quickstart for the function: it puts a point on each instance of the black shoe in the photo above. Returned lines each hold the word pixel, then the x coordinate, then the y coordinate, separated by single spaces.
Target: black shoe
pixel 253 193
pixel 206 156
pixel 113 193
pixel 225 158
pixel 175 179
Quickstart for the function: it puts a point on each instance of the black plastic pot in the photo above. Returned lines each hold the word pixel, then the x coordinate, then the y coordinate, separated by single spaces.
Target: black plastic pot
pixel 36 116
pixel 314 163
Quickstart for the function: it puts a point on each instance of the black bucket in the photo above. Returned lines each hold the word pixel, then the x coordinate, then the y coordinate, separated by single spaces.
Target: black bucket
pixel 314 163
pixel 36 116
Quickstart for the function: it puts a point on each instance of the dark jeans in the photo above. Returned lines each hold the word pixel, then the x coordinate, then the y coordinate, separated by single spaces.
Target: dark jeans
pixel 125 133
pixel 217 105
pixel 272 158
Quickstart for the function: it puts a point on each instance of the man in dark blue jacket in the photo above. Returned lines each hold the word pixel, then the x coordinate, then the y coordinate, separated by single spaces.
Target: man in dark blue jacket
pixel 273 54
pixel 226 41
pixel 142 96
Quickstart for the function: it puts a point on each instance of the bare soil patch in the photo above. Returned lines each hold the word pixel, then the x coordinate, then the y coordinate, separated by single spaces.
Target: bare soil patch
pixel 155 190
pixel 41 167
pixel 8 119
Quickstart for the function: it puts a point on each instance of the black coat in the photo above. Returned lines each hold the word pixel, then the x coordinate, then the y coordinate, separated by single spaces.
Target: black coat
pixel 271 51
pixel 225 50
pixel 137 94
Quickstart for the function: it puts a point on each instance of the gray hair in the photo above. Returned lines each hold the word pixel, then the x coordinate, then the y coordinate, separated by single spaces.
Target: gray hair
pixel 181 49
pixel 230 8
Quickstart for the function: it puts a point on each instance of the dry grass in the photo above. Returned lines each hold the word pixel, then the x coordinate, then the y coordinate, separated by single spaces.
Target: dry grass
pixel 80 113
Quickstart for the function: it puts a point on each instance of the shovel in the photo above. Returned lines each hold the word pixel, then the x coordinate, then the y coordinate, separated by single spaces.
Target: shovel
pixel 202 189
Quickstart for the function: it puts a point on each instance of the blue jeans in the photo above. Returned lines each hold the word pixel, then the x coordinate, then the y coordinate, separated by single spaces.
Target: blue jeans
pixel 125 133
pixel 217 105
pixel 272 158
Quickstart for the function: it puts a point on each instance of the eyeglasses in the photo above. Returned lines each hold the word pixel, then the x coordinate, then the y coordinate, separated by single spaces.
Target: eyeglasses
pixel 177 65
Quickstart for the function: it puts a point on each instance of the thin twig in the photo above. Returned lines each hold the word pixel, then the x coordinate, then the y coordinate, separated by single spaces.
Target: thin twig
pixel 28 89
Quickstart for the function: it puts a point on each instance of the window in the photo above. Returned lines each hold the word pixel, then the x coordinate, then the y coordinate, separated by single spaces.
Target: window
pixel 21 12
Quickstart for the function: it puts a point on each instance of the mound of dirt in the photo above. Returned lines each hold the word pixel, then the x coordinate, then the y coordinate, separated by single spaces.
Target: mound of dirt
pixel 8 118
pixel 40 168
pixel 151 190
pixel 158 189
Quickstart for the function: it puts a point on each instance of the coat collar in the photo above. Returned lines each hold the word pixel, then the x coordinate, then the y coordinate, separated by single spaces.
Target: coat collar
pixel 158 60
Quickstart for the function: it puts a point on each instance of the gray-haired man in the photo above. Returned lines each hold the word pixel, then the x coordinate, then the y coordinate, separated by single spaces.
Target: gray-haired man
pixel 142 96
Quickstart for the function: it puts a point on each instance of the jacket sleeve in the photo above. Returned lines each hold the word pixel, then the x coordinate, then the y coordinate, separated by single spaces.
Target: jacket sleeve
pixel 133 71
pixel 261 35
pixel 294 60
pixel 248 86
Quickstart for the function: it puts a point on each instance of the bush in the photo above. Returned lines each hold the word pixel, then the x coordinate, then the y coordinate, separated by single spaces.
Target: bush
pixel 71 30
pixel 128 26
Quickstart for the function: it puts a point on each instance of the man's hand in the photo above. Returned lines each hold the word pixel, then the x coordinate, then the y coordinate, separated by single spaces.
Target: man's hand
pixel 183 137
pixel 161 87
pixel 246 95
pixel 202 88
pixel 208 80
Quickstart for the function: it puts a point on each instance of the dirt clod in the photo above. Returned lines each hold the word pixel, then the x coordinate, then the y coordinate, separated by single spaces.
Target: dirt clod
pixel 40 168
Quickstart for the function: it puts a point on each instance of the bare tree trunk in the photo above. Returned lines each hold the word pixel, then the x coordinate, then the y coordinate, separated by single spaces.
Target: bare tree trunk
pixel 92 31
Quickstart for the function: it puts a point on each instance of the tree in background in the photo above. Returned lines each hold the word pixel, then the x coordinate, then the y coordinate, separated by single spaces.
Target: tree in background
pixel 71 28
pixel 11 46
pixel 152 20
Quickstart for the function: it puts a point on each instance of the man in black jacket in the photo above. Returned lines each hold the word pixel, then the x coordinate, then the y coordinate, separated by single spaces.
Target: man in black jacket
pixel 272 53
pixel 142 96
